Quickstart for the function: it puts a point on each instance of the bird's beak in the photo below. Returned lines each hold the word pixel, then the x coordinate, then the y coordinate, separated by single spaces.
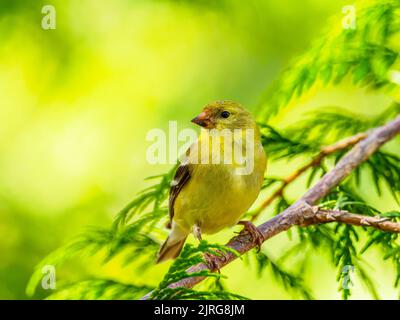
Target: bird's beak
pixel 203 120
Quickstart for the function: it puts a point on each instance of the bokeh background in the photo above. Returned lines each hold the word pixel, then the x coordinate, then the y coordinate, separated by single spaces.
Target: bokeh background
pixel 76 104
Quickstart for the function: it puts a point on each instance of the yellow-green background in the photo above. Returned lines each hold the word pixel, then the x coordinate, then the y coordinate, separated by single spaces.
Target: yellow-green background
pixel 76 104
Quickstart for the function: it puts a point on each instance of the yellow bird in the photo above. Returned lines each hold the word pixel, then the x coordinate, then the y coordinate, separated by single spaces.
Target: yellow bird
pixel 209 192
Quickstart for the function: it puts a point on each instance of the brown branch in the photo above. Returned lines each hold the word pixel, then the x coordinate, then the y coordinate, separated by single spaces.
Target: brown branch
pixel 326 216
pixel 304 208
pixel 315 161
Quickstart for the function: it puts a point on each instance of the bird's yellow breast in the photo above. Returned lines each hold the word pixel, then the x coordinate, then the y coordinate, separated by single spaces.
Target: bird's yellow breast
pixel 217 196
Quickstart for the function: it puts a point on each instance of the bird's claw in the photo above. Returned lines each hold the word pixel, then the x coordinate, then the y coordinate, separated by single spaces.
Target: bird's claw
pixel 255 233
pixel 211 262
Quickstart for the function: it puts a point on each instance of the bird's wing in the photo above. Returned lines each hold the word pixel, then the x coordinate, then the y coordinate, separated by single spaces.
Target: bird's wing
pixel 182 176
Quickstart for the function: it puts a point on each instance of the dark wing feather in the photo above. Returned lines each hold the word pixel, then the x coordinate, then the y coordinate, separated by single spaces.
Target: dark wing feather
pixel 181 177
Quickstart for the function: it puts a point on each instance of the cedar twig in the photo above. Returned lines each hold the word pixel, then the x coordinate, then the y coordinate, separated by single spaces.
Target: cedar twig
pixel 325 216
pixel 315 161
pixel 304 209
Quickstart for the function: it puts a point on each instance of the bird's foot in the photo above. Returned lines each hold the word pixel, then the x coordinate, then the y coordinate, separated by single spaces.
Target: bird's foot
pixel 211 262
pixel 197 232
pixel 255 233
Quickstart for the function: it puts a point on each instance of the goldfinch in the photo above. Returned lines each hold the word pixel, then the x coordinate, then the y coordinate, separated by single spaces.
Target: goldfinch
pixel 206 195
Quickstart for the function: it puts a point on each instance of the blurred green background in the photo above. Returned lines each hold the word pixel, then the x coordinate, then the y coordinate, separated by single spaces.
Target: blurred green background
pixel 76 104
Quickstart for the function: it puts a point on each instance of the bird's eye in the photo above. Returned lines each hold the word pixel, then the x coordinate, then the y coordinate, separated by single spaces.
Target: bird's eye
pixel 225 114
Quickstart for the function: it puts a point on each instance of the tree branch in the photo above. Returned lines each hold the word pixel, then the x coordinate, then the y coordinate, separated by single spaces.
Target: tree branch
pixel 326 216
pixel 304 209
pixel 315 161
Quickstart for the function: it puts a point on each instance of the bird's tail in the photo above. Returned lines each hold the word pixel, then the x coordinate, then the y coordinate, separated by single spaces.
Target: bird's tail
pixel 172 246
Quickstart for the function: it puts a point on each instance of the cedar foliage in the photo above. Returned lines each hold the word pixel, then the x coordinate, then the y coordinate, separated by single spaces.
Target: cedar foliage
pixel 365 55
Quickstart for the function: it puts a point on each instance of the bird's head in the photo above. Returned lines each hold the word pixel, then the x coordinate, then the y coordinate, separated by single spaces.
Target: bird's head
pixel 224 115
